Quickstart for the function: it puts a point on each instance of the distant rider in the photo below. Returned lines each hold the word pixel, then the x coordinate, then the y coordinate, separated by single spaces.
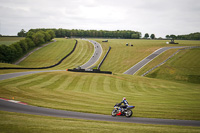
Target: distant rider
pixel 125 104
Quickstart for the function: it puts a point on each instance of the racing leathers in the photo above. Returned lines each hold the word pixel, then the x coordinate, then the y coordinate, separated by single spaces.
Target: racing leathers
pixel 125 105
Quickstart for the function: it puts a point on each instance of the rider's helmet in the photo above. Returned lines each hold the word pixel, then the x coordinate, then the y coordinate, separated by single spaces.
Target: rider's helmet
pixel 124 98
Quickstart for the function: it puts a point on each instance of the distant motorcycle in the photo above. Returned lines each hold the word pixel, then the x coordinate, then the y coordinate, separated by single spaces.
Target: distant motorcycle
pixel 122 112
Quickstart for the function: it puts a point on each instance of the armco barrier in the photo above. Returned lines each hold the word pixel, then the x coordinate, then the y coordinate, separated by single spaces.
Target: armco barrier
pixel 46 66
pixel 89 71
pixel 104 58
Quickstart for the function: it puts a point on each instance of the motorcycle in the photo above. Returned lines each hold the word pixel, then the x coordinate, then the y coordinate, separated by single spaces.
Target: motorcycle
pixel 117 111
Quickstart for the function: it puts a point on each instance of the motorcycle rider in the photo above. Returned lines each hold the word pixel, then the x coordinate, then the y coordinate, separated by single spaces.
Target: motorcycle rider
pixel 125 104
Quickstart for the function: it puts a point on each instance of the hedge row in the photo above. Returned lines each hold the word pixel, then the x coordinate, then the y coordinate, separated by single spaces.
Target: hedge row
pixel 9 54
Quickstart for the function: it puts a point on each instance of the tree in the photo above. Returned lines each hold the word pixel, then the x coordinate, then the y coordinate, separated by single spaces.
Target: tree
pixel 3 53
pixel 134 36
pixel 47 36
pixel 24 45
pixel 38 38
pixel 172 36
pixel 30 43
pixel 52 33
pixel 146 35
pixel 167 36
pixel 19 51
pixel 30 35
pixel 152 36
pixel 12 54
pixel 22 33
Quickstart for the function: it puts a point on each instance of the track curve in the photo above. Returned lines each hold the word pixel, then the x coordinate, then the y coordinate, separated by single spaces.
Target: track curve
pixel 96 55
pixel 27 109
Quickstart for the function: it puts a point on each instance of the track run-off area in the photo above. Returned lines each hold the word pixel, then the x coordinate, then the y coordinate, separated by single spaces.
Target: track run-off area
pixel 27 109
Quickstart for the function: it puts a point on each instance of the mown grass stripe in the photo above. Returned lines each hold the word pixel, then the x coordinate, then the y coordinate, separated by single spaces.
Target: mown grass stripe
pixel 49 82
pixel 17 80
pixel 65 84
pixel 78 56
pixel 93 84
pixel 54 85
pixel 29 81
pixel 48 55
pixel 79 85
pixel 106 85
pixel 87 83
pixel 113 86
pixel 99 86
pixel 39 81
pixel 73 83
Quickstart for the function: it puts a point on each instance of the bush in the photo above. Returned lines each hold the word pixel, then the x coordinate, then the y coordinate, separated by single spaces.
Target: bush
pixel 38 38
pixel 23 45
pixel 30 43
pixel 7 54
pixel 19 51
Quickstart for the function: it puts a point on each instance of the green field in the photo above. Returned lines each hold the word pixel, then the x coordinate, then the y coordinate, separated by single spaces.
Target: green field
pixel 160 95
pixel 9 40
pixel 23 123
pixel 49 55
pixel 121 57
pixel 91 92
pixel 185 66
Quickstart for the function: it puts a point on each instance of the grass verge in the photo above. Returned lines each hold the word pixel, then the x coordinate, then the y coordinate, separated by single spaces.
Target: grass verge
pixel 184 66
pixel 16 122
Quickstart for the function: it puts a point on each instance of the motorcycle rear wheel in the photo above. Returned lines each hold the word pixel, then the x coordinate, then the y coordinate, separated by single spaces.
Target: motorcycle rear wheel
pixel 129 113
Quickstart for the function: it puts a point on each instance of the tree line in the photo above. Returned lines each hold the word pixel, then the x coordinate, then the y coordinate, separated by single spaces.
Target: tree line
pixel 146 36
pixel 191 36
pixel 10 53
pixel 126 34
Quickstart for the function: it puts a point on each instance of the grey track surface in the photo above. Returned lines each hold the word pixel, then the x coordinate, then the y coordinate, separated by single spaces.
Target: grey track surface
pixel 27 109
pixel 95 57
pixel 146 60
pixel 13 75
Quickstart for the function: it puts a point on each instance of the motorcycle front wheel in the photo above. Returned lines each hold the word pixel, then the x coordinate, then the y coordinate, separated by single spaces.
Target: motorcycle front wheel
pixel 114 113
pixel 129 113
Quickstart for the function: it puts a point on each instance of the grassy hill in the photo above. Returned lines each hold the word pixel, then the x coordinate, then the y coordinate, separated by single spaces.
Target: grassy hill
pixel 80 56
pixel 185 66
pixel 97 93
pixel 50 54
pixel 122 57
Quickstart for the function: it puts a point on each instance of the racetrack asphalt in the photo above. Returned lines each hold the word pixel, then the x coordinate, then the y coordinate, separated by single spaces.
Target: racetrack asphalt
pixel 13 75
pixel 95 57
pixel 146 60
pixel 27 109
